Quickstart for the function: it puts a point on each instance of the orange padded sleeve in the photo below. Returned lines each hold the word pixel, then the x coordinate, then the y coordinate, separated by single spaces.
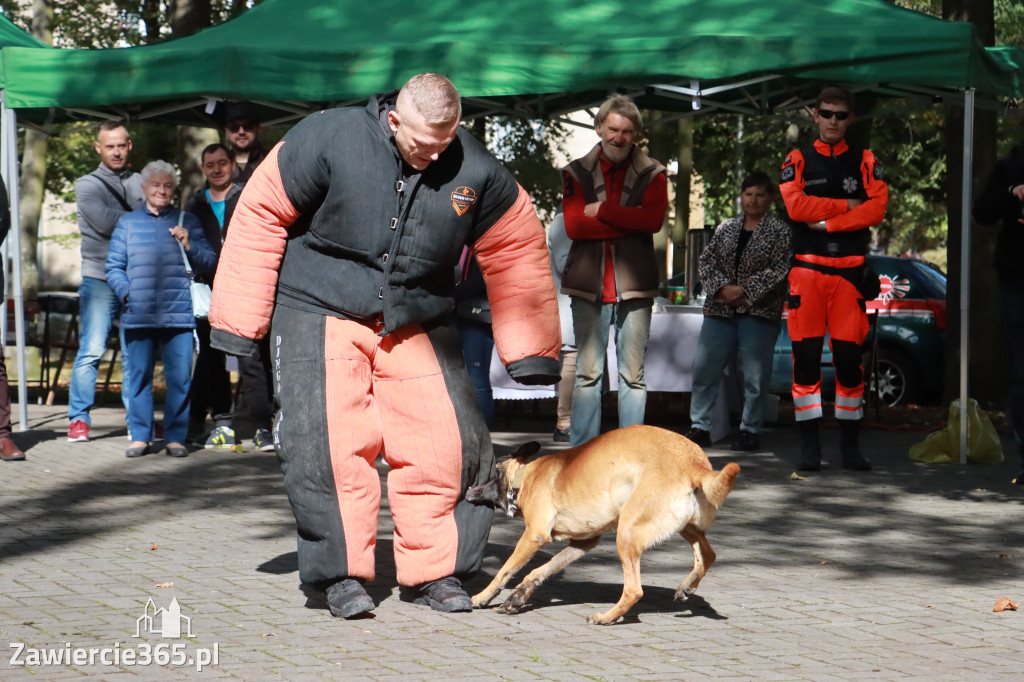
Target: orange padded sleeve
pixel 246 281
pixel 513 256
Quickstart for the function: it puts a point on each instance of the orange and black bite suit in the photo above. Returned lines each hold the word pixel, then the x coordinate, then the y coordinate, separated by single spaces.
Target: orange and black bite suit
pixel 345 254
pixel 828 271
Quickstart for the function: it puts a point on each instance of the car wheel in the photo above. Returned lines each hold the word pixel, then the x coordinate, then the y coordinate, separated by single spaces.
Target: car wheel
pixel 892 379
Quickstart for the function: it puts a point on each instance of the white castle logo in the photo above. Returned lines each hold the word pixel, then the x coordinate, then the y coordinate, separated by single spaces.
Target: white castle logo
pixel 170 621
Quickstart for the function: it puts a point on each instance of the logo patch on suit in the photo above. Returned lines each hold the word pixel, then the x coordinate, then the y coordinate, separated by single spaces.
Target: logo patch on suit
pixel 877 172
pixel 463 198
pixel 788 173
pixel 849 185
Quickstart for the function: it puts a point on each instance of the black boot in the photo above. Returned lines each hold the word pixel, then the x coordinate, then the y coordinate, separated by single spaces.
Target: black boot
pixel 810 445
pixel 849 447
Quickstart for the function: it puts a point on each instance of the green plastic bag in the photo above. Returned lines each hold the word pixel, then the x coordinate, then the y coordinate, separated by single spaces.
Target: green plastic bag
pixel 943 446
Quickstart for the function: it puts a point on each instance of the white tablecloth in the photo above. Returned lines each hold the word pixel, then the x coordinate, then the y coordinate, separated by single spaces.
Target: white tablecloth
pixel 668 365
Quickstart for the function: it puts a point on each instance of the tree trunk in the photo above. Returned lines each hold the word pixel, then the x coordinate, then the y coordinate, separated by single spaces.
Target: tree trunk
pixel 33 171
pixel 684 184
pixel 185 18
pixel 985 366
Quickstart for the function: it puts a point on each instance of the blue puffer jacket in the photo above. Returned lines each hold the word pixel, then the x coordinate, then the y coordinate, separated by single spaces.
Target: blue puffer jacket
pixel 145 269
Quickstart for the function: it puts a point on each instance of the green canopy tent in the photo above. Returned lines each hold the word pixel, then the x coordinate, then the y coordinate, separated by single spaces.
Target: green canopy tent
pixel 12 36
pixel 538 58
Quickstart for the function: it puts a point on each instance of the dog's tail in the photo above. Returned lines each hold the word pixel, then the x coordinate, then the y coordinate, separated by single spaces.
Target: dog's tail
pixel 716 487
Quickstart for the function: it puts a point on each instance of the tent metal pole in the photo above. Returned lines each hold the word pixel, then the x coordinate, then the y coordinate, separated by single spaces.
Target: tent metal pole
pixel 9 139
pixel 965 263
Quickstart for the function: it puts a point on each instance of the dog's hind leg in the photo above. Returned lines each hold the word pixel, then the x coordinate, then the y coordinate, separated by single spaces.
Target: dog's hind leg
pixel 527 546
pixel 703 557
pixel 631 546
pixel 536 578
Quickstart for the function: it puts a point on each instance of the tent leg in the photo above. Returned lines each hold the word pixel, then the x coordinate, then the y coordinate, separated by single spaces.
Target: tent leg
pixel 9 164
pixel 965 263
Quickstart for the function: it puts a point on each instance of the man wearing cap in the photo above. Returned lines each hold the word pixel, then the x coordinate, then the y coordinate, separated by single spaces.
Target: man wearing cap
pixel 101 197
pixel 834 194
pixel 242 132
pixel 350 265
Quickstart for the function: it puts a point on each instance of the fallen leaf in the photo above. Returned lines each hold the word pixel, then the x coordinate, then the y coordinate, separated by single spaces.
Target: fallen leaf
pixel 1004 604
pixel 267 634
pixel 152 547
pixel 237 448
pixel 164 585
pixel 796 477
pixel 1003 556
pixel 823 563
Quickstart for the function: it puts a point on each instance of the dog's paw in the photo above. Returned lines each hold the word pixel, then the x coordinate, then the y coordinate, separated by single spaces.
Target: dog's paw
pixel 600 619
pixel 516 600
pixel 480 601
pixel 508 608
pixel 684 593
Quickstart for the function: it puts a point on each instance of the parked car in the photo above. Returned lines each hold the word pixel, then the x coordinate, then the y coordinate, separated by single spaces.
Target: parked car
pixel 903 353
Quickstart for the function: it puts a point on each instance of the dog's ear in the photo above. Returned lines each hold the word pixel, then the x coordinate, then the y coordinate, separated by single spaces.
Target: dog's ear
pixel 526 450
pixel 486 493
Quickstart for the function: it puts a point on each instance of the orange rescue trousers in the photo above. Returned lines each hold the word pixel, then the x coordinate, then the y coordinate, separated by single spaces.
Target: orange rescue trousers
pixel 820 302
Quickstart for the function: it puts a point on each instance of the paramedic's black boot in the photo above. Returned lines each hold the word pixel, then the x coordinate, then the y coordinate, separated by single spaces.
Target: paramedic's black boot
pixel 810 445
pixel 347 598
pixel 849 446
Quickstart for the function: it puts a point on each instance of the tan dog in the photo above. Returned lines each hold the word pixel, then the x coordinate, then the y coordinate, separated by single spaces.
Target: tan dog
pixel 649 482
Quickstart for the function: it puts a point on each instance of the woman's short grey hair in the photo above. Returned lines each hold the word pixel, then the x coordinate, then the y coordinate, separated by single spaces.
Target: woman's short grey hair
pixel 159 168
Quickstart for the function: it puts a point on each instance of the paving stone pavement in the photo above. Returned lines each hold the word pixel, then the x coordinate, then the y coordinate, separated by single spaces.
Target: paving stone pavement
pixel 886 575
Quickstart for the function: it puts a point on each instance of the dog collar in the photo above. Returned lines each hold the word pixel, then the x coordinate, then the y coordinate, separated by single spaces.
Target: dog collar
pixel 513 492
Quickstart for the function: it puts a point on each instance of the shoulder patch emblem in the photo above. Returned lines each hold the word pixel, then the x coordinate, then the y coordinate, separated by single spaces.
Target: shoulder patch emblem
pixel 462 199
pixel 877 171
pixel 788 173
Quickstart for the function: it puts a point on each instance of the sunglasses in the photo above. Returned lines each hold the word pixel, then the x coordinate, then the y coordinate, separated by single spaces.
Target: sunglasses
pixel 828 114
pixel 249 127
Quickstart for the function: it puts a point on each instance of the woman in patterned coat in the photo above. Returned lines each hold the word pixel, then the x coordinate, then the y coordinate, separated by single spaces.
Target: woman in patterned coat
pixel 743 271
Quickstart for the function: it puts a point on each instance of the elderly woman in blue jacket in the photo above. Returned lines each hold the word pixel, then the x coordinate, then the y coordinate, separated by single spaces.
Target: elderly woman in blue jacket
pixel 146 270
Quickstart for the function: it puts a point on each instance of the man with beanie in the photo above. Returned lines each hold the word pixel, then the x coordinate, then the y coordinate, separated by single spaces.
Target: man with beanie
pixel 833 194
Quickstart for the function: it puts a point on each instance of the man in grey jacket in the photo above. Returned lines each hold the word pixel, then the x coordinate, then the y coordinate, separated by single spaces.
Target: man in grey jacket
pixel 102 197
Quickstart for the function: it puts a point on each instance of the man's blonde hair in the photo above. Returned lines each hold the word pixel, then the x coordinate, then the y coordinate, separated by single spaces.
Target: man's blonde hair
pixel 433 96
pixel 623 106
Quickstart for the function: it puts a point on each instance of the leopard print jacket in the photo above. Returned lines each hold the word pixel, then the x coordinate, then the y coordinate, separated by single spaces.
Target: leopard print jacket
pixel 762 271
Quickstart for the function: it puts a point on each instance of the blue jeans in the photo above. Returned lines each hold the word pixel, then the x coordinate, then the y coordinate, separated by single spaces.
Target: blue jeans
pixel 722 338
pixel 590 321
pixel 177 356
pixel 97 308
pixel 477 345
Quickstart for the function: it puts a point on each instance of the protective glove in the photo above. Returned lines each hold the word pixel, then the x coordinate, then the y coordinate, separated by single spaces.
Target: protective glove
pixel 535 370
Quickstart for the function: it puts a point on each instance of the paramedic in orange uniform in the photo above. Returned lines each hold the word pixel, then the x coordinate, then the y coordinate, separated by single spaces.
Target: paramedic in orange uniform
pixel 833 194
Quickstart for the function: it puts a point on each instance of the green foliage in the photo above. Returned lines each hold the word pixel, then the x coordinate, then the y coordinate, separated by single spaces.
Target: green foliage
pixel 72 154
pixel 528 149
pixel 722 158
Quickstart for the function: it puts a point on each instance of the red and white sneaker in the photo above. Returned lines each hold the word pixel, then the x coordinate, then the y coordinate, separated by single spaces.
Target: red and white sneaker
pixel 78 431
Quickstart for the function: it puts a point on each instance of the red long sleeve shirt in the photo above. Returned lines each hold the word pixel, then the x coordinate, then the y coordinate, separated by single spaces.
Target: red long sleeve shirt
pixel 613 220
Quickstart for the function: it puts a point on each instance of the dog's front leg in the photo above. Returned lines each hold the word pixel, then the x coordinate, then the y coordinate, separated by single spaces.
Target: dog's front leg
pixel 527 546
pixel 536 578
